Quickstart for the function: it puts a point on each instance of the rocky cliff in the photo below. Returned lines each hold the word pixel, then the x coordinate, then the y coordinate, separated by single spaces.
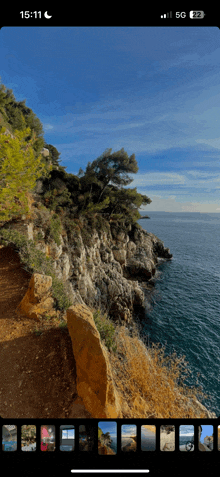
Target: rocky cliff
pixel 105 450
pixel 100 268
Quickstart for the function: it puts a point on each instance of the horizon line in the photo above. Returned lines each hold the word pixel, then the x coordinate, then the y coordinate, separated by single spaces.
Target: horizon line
pixel 179 212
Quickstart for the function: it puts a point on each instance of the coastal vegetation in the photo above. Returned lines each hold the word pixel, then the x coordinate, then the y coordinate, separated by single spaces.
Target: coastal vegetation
pixel 149 383
pixel 97 190
pixel 35 261
pixel 106 329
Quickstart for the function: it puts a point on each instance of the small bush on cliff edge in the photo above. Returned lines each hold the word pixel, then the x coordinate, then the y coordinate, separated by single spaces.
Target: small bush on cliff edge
pixel 35 261
pixel 106 329
pixel 55 229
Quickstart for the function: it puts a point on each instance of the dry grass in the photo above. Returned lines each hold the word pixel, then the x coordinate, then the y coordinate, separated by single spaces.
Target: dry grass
pixel 149 383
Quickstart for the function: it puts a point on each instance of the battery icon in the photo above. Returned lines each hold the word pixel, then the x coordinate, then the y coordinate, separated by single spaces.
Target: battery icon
pixel 196 14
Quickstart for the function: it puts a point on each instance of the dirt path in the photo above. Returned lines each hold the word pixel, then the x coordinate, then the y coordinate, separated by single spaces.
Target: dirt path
pixel 37 372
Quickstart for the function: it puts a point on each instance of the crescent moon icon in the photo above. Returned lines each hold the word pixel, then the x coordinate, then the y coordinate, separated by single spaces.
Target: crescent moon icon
pixel 47 16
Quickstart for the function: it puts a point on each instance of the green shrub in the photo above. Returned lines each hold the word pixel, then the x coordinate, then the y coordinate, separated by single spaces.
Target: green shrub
pixel 106 329
pixel 35 260
pixel 40 236
pixel 102 225
pixel 8 236
pixel 73 231
pixel 63 326
pixel 86 236
pixel 55 229
pixel 63 302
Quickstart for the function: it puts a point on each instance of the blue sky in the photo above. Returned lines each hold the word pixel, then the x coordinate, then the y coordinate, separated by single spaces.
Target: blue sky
pixel 128 430
pixel 108 426
pixel 186 430
pixel 206 431
pixel 153 91
pixel 68 433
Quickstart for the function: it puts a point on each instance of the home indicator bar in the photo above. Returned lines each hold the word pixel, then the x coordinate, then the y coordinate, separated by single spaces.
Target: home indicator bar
pixel 115 471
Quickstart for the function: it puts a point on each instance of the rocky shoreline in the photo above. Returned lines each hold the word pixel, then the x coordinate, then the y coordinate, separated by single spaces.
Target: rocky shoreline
pixel 131 446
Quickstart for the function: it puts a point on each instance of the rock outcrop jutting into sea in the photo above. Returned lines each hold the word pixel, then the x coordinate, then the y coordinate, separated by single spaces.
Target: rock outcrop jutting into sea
pixel 108 271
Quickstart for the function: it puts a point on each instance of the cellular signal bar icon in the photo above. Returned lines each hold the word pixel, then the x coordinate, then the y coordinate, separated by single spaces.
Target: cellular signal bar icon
pixel 166 15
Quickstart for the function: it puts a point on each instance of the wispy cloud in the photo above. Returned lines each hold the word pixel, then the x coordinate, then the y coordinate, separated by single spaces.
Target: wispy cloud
pixel 47 127
pixel 178 204
pixel 148 124
pixel 191 178
pixel 215 142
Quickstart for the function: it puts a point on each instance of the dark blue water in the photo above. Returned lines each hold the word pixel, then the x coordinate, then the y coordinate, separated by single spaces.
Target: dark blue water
pixel 185 308
pixel 184 439
pixel 113 444
pixel 9 445
pixel 148 440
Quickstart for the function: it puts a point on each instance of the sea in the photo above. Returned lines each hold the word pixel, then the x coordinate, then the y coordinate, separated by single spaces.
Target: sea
pixel 113 444
pixel 9 445
pixel 183 311
pixel 186 434
pixel 183 440
pixel 148 440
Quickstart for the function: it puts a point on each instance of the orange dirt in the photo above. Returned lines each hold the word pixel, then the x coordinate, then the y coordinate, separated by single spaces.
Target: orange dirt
pixel 37 372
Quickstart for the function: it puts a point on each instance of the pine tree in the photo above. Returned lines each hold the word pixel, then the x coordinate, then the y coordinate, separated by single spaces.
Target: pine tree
pixel 19 170
pixel 101 187
pixel 114 168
